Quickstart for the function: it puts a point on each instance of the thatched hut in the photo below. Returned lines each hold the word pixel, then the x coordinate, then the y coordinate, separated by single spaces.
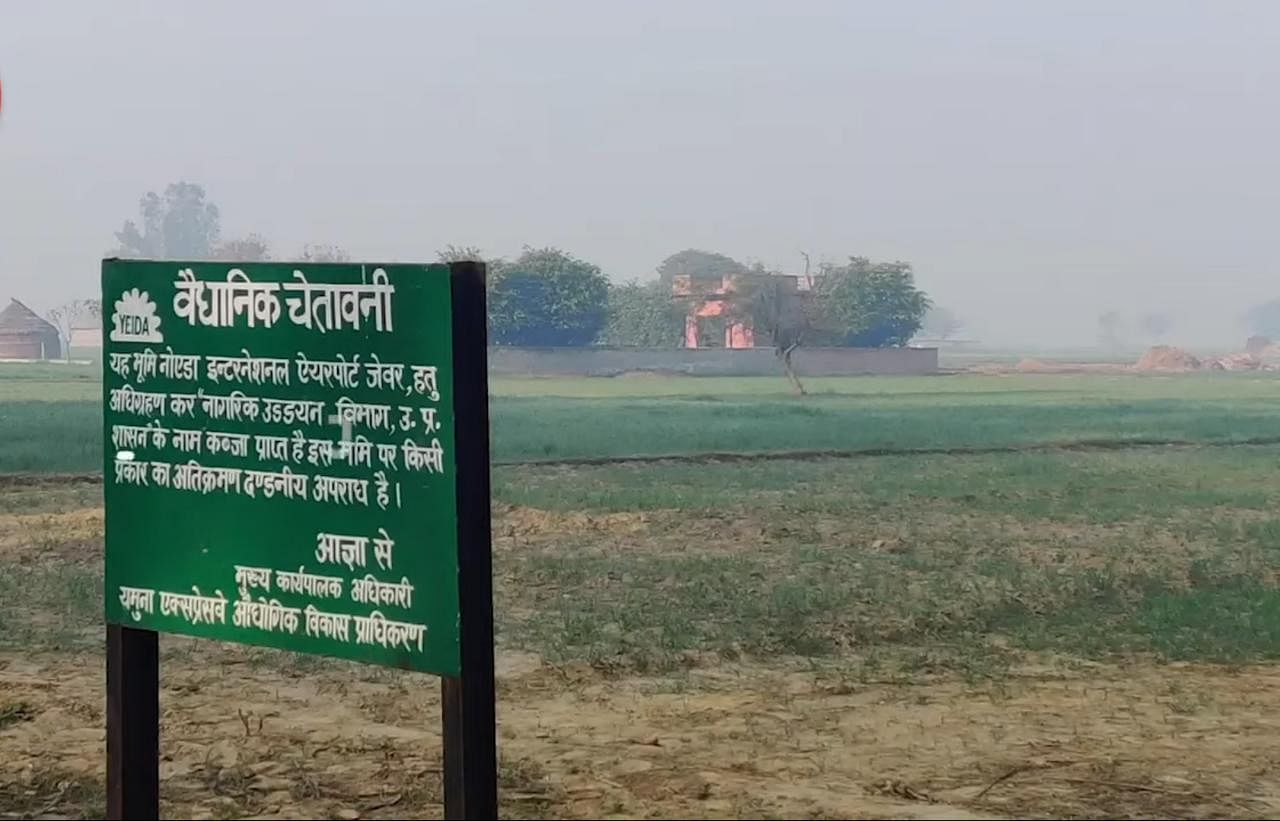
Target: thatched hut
pixel 24 335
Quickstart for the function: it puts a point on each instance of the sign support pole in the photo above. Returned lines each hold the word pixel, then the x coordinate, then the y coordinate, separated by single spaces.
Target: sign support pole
pixel 470 725
pixel 133 723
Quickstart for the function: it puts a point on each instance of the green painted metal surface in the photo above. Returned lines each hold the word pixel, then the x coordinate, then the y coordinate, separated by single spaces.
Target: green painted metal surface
pixel 279 456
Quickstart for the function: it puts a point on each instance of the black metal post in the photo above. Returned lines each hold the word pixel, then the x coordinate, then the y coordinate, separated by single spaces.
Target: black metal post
pixel 470 725
pixel 133 723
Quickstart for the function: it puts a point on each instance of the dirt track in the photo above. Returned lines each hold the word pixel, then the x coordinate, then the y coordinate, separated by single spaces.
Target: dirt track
pixel 242 737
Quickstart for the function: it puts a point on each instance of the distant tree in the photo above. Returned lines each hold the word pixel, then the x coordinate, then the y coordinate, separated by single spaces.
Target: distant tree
pixel 869 304
pixel 546 297
pixel 64 318
pixel 643 315
pixel 460 253
pixel 1264 319
pixel 1155 325
pixel 252 248
pixel 941 323
pixel 312 252
pixel 699 264
pixel 180 224
pixel 1110 329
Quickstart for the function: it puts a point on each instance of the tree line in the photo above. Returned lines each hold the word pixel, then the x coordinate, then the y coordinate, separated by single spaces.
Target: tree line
pixel 549 297
pixel 182 223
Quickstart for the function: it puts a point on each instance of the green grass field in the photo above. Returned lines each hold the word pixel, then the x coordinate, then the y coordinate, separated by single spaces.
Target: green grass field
pixel 884 566
pixel 50 414
pixel 986 604
pixel 946 561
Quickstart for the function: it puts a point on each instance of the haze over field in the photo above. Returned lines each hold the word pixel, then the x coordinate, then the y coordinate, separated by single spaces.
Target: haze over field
pixel 1039 164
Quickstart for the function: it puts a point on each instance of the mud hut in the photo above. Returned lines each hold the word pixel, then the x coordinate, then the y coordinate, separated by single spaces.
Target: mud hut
pixel 24 335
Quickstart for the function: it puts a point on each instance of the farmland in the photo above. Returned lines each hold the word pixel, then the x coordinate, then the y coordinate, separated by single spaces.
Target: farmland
pixel 954 596
pixel 54 416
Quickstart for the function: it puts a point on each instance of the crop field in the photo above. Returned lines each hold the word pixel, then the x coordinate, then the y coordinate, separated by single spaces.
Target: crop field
pixel 51 415
pixel 961 596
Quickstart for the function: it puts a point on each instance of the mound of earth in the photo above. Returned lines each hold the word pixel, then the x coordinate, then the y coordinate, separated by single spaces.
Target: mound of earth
pixel 1167 358
pixel 1032 366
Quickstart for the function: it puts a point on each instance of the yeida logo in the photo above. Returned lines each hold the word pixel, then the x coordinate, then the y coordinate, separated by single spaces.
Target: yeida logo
pixel 135 318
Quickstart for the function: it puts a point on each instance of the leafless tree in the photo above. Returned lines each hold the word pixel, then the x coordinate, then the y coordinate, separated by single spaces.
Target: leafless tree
pixel 64 318
pixel 776 309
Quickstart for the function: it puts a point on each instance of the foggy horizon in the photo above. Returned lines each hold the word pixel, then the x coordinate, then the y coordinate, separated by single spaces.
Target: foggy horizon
pixel 1037 165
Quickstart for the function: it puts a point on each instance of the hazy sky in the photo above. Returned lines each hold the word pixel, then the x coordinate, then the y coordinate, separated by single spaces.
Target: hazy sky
pixel 1037 162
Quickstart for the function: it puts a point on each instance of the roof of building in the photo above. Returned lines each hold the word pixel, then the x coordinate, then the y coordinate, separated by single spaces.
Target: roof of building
pixel 18 317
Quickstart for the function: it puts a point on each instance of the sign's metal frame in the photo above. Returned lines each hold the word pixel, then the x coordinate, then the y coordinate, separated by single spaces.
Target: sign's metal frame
pixel 467 701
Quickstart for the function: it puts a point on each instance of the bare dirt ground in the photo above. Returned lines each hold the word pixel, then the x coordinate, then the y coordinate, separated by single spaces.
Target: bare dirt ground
pixel 249 733
pixel 246 739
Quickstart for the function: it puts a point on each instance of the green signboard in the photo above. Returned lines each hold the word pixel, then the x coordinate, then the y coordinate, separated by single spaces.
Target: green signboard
pixel 280 465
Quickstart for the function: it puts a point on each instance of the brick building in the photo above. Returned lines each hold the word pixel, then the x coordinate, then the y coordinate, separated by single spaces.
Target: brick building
pixel 716 315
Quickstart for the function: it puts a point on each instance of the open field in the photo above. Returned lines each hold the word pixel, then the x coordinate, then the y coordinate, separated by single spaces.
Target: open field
pixel 1053 633
pixel 53 424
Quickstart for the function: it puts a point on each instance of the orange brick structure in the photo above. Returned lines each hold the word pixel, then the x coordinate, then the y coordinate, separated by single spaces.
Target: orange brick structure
pixel 715 317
